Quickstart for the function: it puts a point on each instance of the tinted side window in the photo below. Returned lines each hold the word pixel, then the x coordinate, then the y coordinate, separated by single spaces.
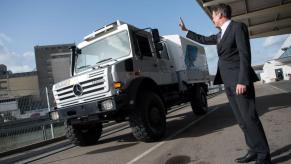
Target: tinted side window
pixel 143 46
pixel 164 52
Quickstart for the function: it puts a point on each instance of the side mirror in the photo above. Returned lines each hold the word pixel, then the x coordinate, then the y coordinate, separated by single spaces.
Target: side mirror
pixel 157 41
pixel 78 51
pixel 74 52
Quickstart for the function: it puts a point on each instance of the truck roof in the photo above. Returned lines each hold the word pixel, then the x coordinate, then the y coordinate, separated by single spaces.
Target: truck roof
pixel 104 28
pixel 179 39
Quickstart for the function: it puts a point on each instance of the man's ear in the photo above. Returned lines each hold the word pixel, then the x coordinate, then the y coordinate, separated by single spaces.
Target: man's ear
pixel 220 15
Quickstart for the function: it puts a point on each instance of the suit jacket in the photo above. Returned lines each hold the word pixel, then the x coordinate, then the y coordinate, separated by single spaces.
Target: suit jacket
pixel 233 49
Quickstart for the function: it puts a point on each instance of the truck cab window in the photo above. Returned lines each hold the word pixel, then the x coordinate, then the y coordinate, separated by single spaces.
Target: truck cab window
pixel 143 46
pixel 164 52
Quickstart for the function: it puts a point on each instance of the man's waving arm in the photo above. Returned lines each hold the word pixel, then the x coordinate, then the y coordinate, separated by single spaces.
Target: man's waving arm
pixel 210 40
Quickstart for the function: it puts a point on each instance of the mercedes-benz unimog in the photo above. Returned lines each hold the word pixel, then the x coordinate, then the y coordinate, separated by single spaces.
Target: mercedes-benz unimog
pixel 123 73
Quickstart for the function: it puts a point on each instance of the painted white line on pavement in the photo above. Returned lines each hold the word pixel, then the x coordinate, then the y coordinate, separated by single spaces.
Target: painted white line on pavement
pixel 279 89
pixel 172 136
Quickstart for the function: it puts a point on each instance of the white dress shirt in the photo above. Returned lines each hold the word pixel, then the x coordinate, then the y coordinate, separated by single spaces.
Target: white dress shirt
pixel 224 27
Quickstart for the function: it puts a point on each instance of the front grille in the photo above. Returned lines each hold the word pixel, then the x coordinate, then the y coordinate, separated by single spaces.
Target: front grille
pixel 92 87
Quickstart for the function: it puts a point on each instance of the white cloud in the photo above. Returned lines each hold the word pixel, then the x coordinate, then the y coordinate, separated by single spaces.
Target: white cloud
pixel 265 49
pixel 261 56
pixel 274 40
pixel 5 38
pixel 15 62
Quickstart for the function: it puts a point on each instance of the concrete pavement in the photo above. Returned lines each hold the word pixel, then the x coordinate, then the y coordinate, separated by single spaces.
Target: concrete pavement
pixel 211 139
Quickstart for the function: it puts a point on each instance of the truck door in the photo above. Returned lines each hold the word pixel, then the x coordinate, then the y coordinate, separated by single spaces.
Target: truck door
pixel 168 75
pixel 147 62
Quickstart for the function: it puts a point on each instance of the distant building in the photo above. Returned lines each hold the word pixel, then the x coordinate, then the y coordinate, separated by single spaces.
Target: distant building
pixel 258 70
pixel 14 88
pixel 53 65
pixel 19 85
pixel 279 68
pixel 3 70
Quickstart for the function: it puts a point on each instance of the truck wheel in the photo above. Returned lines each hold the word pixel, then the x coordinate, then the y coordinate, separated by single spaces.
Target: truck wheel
pixel 84 135
pixel 199 101
pixel 148 120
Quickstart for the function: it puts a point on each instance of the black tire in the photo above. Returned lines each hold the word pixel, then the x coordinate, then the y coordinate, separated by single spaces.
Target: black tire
pixel 84 135
pixel 148 120
pixel 199 101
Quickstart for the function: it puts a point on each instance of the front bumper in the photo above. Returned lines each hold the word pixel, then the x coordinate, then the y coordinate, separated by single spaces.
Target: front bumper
pixel 92 109
pixel 82 110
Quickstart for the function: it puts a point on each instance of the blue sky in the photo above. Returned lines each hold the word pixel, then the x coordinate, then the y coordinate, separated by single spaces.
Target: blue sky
pixel 26 23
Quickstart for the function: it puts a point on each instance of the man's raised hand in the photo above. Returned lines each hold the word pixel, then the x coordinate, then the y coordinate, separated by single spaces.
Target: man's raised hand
pixel 182 25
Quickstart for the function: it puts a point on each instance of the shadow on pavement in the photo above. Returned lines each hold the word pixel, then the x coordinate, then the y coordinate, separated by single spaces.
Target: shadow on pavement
pixel 278 156
pixel 128 137
pixel 112 148
pixel 223 116
pixel 215 122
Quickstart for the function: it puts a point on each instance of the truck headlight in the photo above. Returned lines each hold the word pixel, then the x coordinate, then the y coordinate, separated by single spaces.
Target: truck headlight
pixel 54 115
pixel 107 105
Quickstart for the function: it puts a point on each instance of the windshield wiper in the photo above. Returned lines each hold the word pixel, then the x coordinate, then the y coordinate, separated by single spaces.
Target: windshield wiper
pixel 84 66
pixel 101 61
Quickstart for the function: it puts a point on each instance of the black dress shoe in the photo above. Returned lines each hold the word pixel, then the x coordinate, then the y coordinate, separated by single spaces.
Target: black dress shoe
pixel 250 156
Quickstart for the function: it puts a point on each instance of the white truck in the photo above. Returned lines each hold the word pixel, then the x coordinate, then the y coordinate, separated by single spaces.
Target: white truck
pixel 123 73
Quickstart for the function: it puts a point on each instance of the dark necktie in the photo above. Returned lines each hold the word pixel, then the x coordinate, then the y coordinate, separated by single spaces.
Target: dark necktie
pixel 218 35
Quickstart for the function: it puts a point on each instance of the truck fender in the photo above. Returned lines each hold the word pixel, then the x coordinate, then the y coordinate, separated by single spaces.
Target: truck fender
pixel 137 86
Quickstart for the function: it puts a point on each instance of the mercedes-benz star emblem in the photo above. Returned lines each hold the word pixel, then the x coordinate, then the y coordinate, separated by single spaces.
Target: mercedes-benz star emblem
pixel 77 89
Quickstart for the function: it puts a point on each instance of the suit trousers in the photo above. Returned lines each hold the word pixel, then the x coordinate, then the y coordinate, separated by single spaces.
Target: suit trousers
pixel 244 109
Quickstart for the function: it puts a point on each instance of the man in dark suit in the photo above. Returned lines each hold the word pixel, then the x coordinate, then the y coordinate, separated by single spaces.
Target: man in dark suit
pixel 235 72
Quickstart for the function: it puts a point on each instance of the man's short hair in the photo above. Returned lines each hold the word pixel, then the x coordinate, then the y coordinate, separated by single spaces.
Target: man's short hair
pixel 223 9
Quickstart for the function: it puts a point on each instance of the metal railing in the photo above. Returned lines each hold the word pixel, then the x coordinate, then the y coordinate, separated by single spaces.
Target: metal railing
pixel 19 133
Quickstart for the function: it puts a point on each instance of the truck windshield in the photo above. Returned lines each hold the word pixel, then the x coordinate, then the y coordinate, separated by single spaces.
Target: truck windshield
pixel 107 49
